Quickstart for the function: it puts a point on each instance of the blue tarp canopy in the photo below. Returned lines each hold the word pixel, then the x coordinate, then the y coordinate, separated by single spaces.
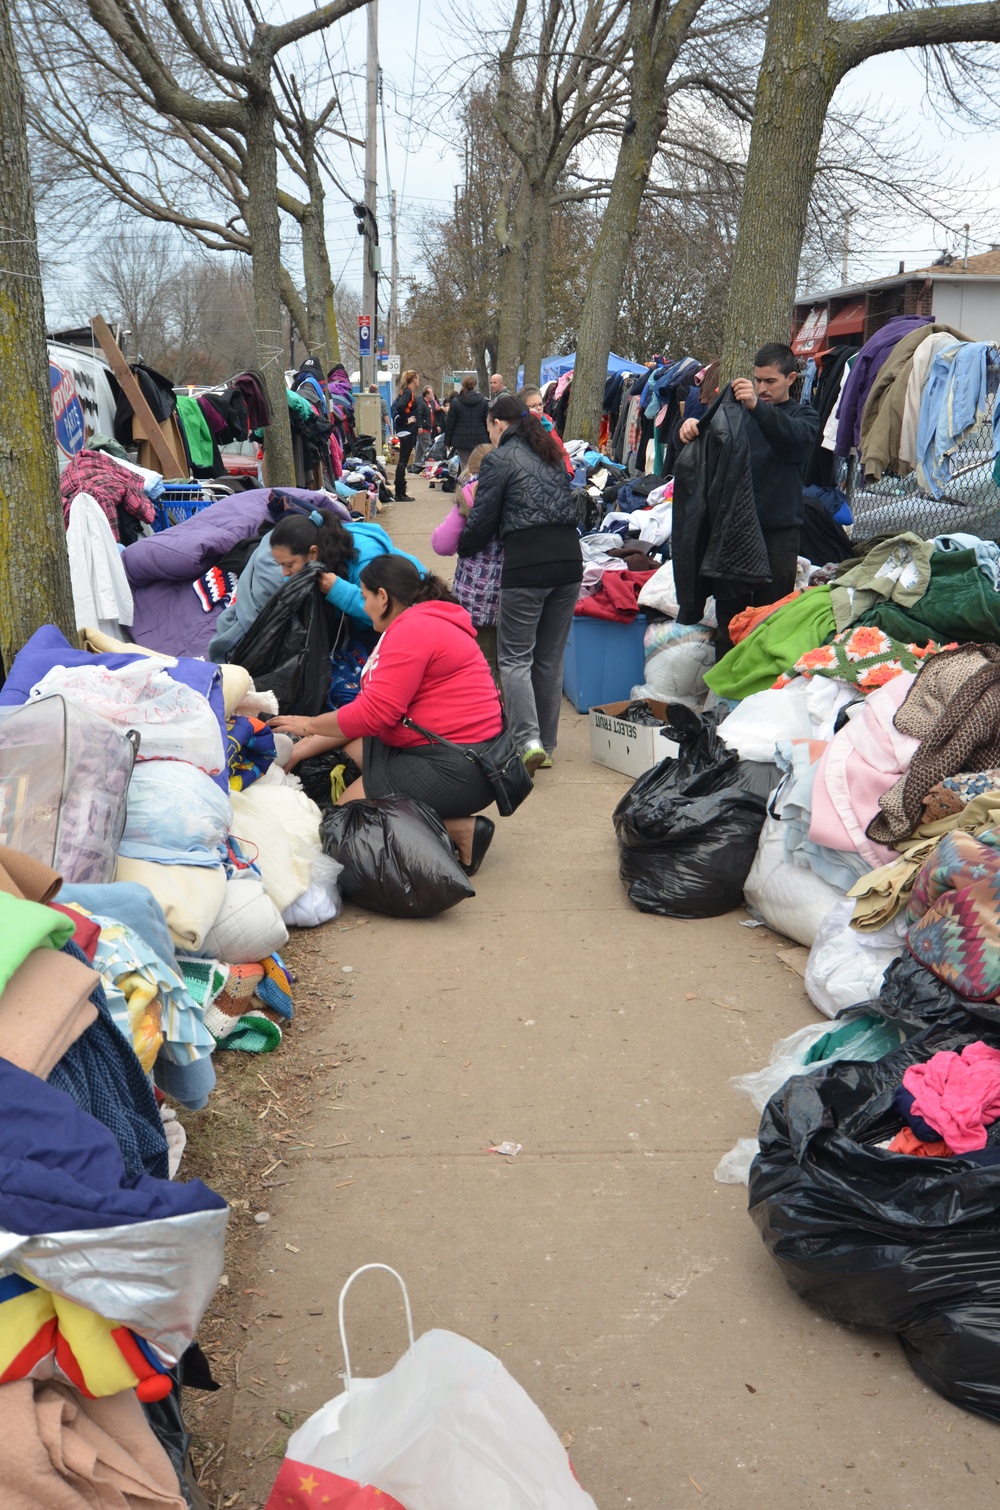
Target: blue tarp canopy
pixel 554 367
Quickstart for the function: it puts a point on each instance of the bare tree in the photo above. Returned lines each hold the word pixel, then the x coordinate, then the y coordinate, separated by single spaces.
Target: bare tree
pixel 183 59
pixel 807 53
pixel 35 585
pixel 701 39
pixel 172 170
pixel 558 73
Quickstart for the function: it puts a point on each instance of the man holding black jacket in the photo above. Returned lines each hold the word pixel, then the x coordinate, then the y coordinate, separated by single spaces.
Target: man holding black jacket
pixel 781 436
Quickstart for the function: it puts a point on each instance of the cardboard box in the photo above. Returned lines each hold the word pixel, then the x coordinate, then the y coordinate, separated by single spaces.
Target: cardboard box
pixel 625 746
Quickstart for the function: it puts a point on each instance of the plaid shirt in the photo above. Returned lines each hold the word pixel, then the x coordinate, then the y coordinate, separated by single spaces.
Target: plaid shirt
pixel 112 485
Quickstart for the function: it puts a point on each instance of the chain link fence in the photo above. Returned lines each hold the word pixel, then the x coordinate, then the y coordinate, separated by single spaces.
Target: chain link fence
pixel 970 502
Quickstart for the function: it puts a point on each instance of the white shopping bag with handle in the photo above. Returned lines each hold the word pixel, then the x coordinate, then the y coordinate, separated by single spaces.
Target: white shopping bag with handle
pixel 447 1429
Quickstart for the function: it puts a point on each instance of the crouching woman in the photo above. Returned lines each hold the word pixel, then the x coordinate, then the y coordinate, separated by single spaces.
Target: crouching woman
pixel 426 667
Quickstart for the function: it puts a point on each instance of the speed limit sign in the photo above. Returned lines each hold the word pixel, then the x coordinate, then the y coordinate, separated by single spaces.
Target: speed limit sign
pixel 393 363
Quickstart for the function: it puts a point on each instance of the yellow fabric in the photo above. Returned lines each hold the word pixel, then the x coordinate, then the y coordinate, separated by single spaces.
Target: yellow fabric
pixel 145 1016
pixel 21 1318
pixel 104 1370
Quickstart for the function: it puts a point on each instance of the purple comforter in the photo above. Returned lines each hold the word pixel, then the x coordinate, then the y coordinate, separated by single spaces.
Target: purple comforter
pixel 162 569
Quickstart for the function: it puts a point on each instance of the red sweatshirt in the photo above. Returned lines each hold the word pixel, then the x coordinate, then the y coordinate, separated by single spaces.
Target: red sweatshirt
pixel 428 667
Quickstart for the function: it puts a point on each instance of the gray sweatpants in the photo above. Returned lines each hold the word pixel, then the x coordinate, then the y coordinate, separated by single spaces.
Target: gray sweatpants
pixel 532 631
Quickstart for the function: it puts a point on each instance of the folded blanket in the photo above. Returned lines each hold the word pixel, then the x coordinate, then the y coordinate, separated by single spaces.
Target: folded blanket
pixel 65 1452
pixel 44 1008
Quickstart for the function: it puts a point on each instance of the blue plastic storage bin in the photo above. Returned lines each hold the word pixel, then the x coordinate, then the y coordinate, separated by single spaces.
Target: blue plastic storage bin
pixel 604 661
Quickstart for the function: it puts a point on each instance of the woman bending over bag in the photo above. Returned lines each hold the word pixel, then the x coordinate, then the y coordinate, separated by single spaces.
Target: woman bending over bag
pixel 428 668
pixel 342 547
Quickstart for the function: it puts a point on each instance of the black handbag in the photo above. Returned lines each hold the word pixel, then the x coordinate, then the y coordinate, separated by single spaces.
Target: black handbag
pixel 500 762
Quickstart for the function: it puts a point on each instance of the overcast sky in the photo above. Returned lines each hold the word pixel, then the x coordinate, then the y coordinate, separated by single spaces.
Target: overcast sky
pixel 424 45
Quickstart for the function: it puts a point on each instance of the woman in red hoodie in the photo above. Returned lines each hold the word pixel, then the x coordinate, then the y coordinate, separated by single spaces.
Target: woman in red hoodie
pixel 426 667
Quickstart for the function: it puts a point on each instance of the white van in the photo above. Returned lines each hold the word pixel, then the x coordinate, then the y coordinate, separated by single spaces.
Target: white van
pixel 83 403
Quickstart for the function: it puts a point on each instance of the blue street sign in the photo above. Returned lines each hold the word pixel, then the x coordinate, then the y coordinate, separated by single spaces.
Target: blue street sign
pixel 364 335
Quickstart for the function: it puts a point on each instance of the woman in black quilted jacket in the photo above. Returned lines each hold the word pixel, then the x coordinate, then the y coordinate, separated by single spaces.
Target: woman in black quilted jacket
pixel 524 497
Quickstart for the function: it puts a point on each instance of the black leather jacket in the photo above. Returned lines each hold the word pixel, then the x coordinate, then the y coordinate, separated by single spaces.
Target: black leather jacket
pixel 717 544
pixel 517 491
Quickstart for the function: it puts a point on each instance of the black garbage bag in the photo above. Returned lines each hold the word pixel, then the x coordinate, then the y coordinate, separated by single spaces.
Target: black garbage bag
pixel 875 1239
pixel 688 829
pixel 315 773
pixel 397 857
pixel 287 647
pixel 914 996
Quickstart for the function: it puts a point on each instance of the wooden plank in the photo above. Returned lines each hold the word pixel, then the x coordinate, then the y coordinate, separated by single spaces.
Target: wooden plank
pixel 170 465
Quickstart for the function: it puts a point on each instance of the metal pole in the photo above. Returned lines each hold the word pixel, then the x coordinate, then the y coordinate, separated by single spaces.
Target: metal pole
pixel 394 303
pixel 965 264
pixel 369 367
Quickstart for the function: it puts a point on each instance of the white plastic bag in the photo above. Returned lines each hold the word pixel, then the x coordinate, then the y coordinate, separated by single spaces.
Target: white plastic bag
pixel 175 814
pixel 446 1429
pixel 322 902
pixel 677 672
pixel 788 1057
pixel 806 709
pixel 734 1167
pixel 791 901
pixel 846 967
pixel 173 721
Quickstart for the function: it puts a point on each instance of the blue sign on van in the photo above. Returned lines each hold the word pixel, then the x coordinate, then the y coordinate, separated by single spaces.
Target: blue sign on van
pixel 67 411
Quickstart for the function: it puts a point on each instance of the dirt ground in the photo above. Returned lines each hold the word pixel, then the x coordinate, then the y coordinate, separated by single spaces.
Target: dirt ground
pixel 629 1293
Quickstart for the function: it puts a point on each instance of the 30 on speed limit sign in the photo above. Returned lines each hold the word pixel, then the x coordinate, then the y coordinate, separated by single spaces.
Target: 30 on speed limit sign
pixel 393 363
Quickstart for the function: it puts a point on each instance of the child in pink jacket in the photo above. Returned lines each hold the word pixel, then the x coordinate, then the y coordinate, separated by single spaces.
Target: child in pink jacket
pixel 477 578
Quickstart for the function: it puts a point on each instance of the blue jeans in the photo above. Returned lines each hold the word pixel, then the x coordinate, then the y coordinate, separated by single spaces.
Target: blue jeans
pixel 532 631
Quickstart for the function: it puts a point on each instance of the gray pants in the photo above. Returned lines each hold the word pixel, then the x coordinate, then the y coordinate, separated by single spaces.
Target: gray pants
pixel 532 631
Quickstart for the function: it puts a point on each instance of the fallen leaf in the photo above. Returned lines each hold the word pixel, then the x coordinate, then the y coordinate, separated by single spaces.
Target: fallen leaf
pixel 567 1438
pixel 750 1388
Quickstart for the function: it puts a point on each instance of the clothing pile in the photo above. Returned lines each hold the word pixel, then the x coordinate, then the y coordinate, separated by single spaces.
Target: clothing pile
pixel 187 853
pixel 904 402
pixel 109 1262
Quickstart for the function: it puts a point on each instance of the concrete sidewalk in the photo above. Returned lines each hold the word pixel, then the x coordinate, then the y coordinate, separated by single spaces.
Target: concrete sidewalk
pixel 628 1293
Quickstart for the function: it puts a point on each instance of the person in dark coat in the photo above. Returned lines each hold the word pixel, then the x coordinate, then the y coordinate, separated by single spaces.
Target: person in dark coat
pixel 465 427
pixel 524 498
pixel 406 411
pixel 781 434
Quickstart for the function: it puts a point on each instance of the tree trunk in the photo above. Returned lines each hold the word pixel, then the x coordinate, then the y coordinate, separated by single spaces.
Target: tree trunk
pixel 35 584
pixel 264 228
pixel 535 287
pixel 796 83
pixel 323 339
pixel 513 276
pixel 607 273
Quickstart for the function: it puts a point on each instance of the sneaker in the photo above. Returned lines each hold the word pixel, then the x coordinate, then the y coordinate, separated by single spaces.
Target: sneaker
pixel 404 498
pixel 534 757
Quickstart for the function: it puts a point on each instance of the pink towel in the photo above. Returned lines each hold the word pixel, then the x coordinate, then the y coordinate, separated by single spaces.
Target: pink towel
pixel 863 760
pixel 958 1094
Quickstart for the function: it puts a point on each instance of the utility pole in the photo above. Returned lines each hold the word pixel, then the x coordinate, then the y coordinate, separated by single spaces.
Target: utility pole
pixel 394 302
pixel 369 366
pixel 848 215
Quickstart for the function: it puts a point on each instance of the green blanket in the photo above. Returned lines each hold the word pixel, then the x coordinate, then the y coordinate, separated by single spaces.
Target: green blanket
pixel 774 646
pixel 959 604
